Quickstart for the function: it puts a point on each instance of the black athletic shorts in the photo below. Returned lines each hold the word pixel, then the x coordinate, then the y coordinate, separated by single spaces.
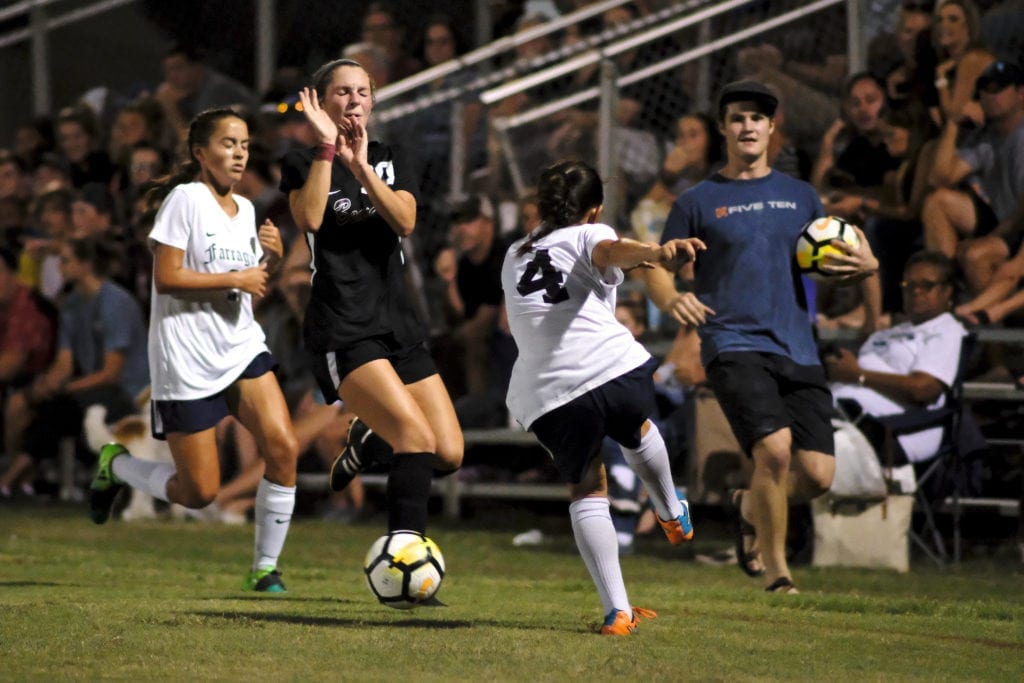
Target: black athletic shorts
pixel 200 414
pixel 572 433
pixel 411 363
pixel 761 393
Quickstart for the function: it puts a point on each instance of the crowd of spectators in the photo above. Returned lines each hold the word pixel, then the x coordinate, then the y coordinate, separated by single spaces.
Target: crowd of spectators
pixel 923 149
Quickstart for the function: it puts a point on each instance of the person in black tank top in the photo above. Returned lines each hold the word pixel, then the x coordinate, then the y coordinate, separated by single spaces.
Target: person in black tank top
pixel 356 200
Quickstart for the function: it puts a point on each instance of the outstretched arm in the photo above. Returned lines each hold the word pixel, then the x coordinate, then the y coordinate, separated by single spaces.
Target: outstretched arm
pixel 627 253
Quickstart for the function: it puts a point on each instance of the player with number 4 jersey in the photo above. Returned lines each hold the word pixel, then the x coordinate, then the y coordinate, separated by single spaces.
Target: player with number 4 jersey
pixel 580 375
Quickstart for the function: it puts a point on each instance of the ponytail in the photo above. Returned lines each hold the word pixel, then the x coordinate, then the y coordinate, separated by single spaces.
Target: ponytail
pixel 566 192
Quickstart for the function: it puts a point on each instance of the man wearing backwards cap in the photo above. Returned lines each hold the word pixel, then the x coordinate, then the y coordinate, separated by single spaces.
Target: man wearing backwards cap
pixel 756 342
pixel 980 195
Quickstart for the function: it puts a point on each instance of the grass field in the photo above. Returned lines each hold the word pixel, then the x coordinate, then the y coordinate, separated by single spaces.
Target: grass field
pixel 160 601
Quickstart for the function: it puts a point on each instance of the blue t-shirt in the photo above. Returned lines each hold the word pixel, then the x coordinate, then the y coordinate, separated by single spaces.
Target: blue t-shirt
pixel 111 320
pixel 748 275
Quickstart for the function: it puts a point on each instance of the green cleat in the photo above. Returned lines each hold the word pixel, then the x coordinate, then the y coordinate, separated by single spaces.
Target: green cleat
pixel 105 486
pixel 264 581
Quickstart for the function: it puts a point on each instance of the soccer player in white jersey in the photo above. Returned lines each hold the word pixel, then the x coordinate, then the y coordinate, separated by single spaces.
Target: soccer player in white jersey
pixel 580 375
pixel 208 355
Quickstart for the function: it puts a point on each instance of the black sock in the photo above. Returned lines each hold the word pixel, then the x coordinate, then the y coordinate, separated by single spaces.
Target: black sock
pixel 409 491
pixel 377 450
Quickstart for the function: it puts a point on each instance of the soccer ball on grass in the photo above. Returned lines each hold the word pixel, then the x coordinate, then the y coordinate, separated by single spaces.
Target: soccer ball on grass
pixel 404 569
pixel 814 245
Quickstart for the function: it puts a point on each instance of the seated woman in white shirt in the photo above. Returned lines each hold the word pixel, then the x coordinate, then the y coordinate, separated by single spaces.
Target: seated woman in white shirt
pixel 911 364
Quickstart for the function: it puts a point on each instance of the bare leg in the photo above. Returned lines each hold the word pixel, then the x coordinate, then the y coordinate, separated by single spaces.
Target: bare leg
pixel 432 398
pixel 947 216
pixel 768 501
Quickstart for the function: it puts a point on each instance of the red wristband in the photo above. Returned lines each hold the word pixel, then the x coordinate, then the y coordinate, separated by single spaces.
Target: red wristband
pixel 325 152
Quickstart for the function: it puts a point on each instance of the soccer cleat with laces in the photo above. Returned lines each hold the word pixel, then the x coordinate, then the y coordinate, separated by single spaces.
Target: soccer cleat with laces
pixel 105 486
pixel 619 623
pixel 354 458
pixel 264 581
pixel 679 529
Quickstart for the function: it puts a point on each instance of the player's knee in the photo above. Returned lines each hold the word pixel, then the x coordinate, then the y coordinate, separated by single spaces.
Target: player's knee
pixel 450 452
pixel 773 461
pixel 197 497
pixel 820 473
pixel 415 438
pixel 283 449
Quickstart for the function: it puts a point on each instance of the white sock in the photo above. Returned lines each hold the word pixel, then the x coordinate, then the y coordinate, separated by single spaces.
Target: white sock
pixel 595 537
pixel 274 505
pixel 650 462
pixel 145 475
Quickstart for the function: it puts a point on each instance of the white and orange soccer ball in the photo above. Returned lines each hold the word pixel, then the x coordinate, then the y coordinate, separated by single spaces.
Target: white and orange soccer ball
pixel 404 569
pixel 814 245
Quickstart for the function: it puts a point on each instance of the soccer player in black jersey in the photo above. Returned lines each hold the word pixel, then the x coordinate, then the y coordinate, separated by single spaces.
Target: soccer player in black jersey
pixel 356 199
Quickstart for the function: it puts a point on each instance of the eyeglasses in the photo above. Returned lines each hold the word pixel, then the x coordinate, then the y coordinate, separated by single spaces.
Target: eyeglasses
pixel 923 285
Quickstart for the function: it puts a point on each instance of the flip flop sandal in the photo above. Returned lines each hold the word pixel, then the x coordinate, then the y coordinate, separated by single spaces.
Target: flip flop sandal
pixel 743 530
pixel 783 584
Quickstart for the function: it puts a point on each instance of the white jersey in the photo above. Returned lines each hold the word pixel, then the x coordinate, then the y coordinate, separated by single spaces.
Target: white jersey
pixel 562 313
pixel 933 347
pixel 199 343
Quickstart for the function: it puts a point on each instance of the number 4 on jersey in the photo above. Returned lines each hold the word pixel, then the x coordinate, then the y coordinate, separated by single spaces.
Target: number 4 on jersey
pixel 540 274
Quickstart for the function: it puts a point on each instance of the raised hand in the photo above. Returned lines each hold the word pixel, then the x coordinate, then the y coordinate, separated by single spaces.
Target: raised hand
pixel 325 127
pixel 353 142
pixel 270 239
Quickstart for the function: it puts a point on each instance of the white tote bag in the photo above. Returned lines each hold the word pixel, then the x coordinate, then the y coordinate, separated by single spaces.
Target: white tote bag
pixel 858 471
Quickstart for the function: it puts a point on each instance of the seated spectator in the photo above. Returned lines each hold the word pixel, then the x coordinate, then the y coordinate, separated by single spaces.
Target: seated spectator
pixel 27 328
pixel 893 220
pixel 51 223
pixel 853 159
pixel 92 212
pixel 474 299
pixel 909 365
pixel 33 139
pixel 695 153
pixel 101 359
pixel 78 138
pixel 190 86
pixel 139 122
pixel 51 173
pixel 381 26
pixel 980 184
pixel 259 185
pixel 961 60
pixel 13 219
pixel 441 41
pixel 14 179
pixel 913 40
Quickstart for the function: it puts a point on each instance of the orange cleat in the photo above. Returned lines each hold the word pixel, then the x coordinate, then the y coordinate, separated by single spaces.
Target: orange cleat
pixel 618 623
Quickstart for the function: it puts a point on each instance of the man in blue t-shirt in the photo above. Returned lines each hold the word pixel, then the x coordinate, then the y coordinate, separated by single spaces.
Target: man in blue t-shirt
pixel 756 340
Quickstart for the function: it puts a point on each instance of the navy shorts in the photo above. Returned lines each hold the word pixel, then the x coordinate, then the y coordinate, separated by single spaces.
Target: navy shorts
pixel 761 393
pixel 411 363
pixel 572 433
pixel 201 414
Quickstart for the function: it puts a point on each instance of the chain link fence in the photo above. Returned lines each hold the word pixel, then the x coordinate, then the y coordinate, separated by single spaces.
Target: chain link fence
pixel 630 89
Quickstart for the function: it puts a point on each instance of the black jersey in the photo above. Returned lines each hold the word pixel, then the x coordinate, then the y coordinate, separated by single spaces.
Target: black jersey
pixel 359 289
